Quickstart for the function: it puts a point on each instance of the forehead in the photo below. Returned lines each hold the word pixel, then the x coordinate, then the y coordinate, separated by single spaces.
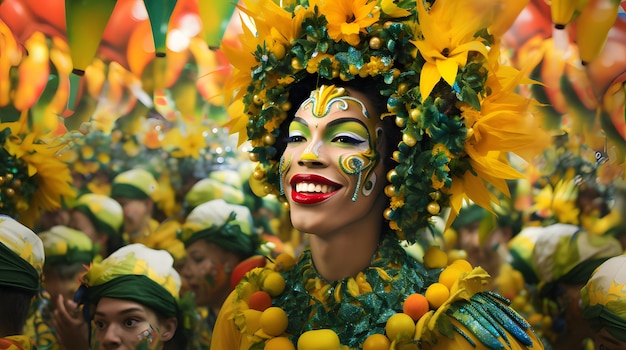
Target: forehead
pixel 330 102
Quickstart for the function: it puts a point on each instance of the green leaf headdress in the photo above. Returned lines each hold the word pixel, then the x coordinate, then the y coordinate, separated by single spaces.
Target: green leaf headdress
pixel 437 63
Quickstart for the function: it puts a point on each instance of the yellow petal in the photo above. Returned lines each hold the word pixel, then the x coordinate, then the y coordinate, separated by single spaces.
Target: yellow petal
pixel 429 77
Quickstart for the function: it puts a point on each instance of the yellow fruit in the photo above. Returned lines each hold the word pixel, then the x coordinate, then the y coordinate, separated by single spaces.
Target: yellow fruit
pixel 319 339
pixel 435 258
pixel 376 342
pixel 400 326
pixel 450 237
pixel 274 284
pixel 274 321
pixel 284 262
pixel 279 343
pixel 449 275
pixel 437 294
pixel 463 265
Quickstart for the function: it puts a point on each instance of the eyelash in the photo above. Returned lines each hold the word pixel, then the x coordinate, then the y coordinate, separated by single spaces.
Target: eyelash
pixel 338 139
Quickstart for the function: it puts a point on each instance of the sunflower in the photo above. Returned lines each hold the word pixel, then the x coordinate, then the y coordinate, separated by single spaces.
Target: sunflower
pixel 34 178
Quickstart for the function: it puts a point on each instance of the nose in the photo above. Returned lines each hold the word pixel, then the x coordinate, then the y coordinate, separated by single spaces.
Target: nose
pixel 311 160
pixel 111 338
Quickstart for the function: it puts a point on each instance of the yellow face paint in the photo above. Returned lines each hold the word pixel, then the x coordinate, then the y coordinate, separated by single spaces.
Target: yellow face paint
pixel 322 99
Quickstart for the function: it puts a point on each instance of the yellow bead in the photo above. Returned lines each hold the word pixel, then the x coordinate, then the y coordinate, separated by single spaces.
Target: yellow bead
pixel 400 122
pixel 390 190
pixel 436 195
pixel 387 213
pixel 391 174
pixel 269 139
pixel 415 113
pixel 253 157
pixel 279 51
pixel 257 100
pixel 375 43
pixel 433 208
pixel 403 88
pixel 258 174
pixel 396 156
pixel 409 140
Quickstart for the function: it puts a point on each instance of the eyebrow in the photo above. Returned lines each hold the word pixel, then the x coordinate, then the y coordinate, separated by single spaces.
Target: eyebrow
pixel 300 120
pixel 123 312
pixel 346 120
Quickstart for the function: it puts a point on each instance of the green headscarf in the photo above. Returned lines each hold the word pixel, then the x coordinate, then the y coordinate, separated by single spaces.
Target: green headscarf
pixel 21 256
pixel 227 225
pixel 135 183
pixel 105 213
pixel 64 245
pixel 136 273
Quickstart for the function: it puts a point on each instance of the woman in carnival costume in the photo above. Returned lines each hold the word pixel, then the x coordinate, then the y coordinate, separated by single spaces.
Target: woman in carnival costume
pixel 344 103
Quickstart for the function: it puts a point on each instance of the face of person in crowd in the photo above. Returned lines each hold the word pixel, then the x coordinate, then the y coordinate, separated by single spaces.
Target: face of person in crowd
pixel 137 213
pixel 603 340
pixel 124 324
pixel 207 272
pixel 489 254
pixel 79 221
pixel 332 171
pixel 56 285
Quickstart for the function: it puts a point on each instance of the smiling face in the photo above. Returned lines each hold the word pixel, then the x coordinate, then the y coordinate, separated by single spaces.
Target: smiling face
pixel 331 170
pixel 124 324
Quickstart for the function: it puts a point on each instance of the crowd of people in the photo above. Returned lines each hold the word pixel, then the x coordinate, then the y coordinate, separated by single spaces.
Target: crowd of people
pixel 403 195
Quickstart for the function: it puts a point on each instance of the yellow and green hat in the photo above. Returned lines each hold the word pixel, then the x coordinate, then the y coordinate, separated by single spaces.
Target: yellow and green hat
pixel 105 213
pixel 209 189
pixel 604 298
pixel 135 183
pixel 136 273
pixel 230 226
pixel 569 254
pixel 21 256
pixel 64 245
pixel 521 248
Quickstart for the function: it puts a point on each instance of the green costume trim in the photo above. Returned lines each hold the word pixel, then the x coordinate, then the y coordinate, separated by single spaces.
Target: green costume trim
pixel 16 272
pixel 599 316
pixel 138 288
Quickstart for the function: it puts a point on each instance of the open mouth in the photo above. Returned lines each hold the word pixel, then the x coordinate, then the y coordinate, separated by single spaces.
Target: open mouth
pixel 312 189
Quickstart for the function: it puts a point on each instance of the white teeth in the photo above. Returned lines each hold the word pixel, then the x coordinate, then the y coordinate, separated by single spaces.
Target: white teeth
pixel 313 188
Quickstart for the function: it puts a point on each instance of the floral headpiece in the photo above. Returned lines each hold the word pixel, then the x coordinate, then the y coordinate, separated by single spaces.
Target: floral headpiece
pixel 438 64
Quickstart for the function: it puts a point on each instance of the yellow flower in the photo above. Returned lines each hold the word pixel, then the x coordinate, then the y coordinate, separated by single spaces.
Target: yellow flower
pixel 51 175
pixel 348 18
pixel 445 36
pixel 187 143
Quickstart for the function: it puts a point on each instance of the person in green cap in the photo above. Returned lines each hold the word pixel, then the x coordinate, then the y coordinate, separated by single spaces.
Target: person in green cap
pixel 564 257
pixel 101 218
pixel 218 236
pixel 137 192
pixel 67 251
pixel 21 264
pixel 604 304
pixel 131 301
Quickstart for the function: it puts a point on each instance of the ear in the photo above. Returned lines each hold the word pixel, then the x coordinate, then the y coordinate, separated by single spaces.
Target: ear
pixel 168 327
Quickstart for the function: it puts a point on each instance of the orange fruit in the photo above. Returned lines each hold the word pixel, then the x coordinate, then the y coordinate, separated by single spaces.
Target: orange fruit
pixel 274 283
pixel 436 294
pixel 415 305
pixel 279 343
pixel 435 258
pixel 274 321
pixel 260 300
pixel 376 342
pixel 400 326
